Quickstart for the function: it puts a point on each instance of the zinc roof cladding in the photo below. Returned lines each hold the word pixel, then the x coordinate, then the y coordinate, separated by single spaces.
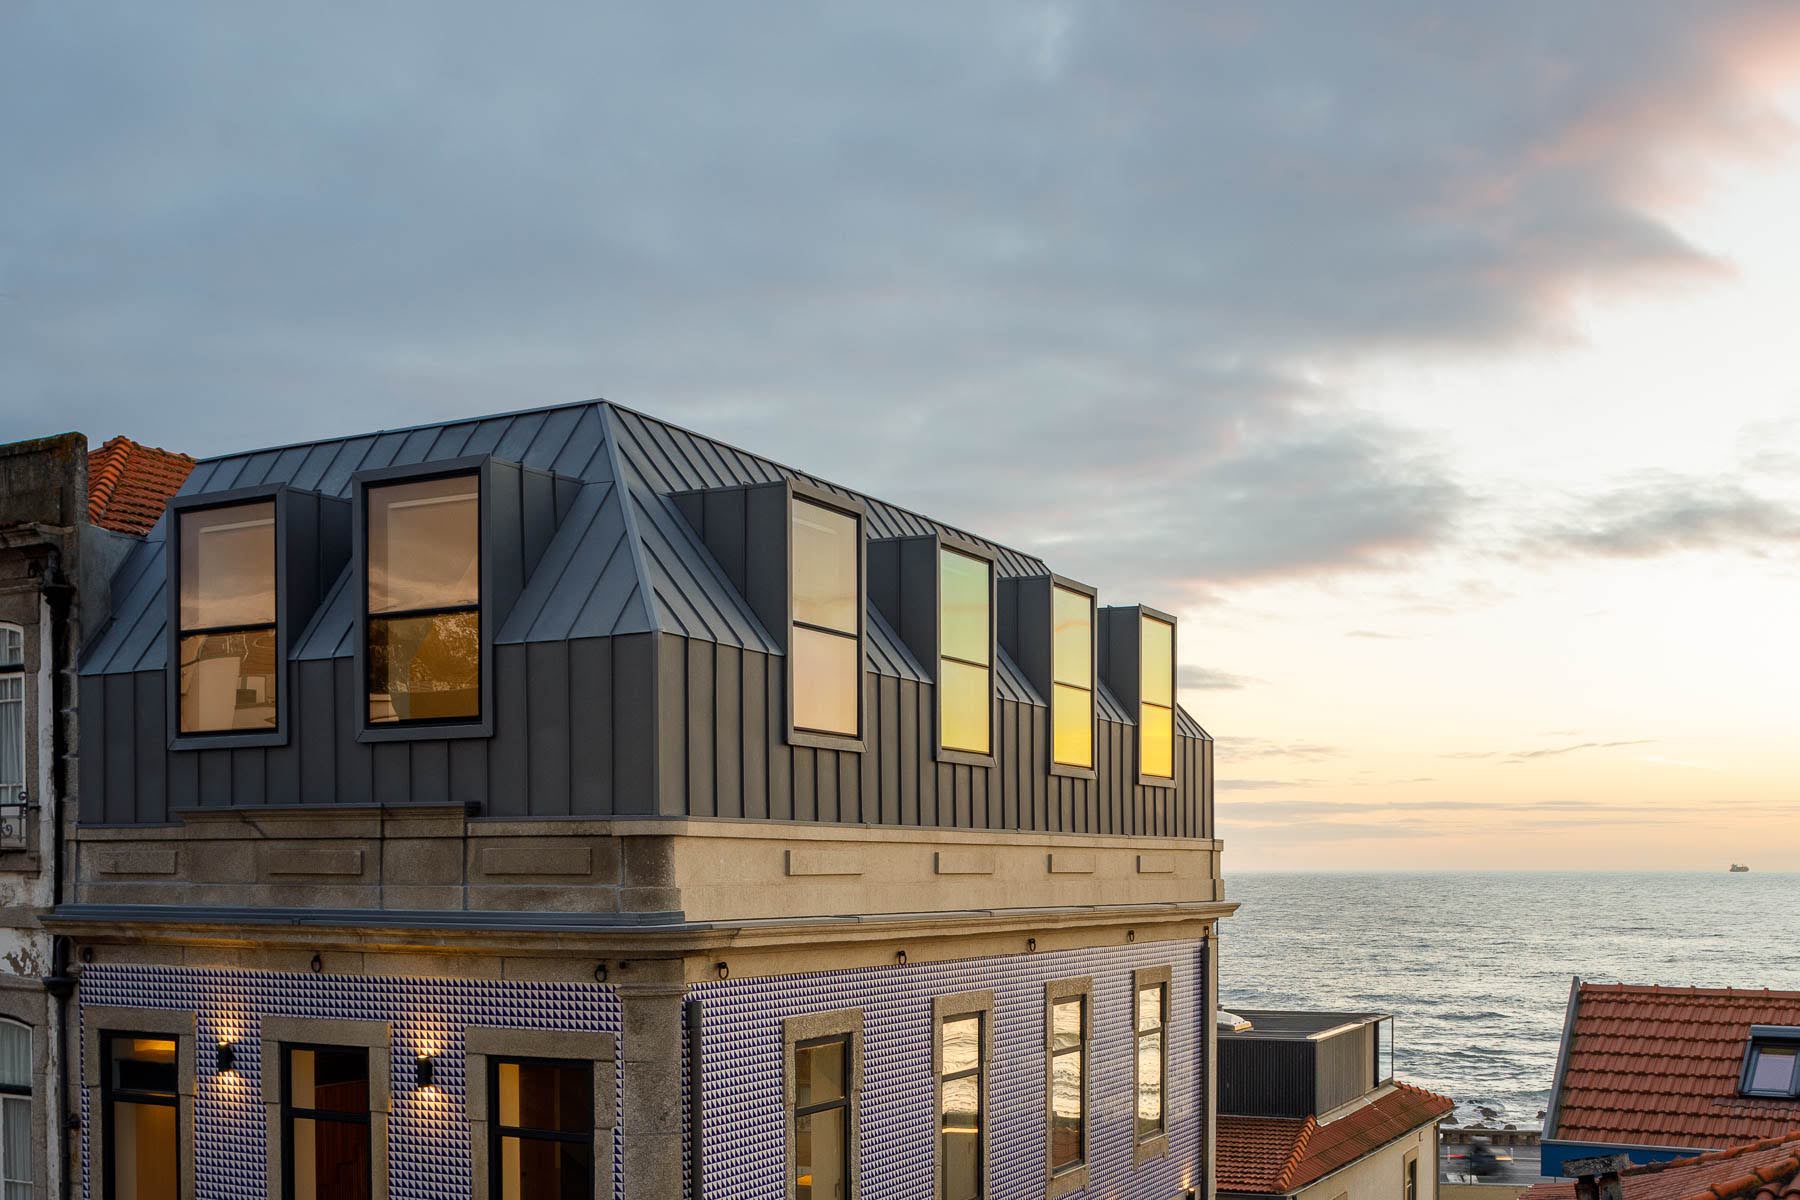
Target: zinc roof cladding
pixel 130 483
pixel 1762 1170
pixel 1660 1066
pixel 1277 1155
pixel 622 561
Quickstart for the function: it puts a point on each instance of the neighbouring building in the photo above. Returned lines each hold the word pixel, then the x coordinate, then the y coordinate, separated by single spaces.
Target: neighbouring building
pixel 1762 1170
pixel 1660 1073
pixel 1309 1108
pixel 564 804
pixel 67 518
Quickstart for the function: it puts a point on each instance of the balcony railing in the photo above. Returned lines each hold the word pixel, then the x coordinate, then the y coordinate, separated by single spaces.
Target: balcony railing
pixel 14 824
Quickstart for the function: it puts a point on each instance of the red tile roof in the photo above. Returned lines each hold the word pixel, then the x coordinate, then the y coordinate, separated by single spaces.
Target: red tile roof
pixel 1765 1170
pixel 128 484
pixel 1274 1155
pixel 1659 1066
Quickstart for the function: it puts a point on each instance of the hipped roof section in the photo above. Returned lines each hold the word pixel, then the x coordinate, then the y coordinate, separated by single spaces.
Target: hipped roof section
pixel 623 560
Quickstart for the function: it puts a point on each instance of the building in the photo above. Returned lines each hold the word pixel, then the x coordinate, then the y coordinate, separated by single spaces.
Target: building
pixel 59 543
pixel 567 804
pixel 1309 1107
pixel 1763 1170
pixel 1660 1073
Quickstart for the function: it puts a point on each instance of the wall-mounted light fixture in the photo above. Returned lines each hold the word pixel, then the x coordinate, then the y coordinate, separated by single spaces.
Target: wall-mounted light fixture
pixel 1031 945
pixel 318 964
pixel 723 969
pixel 227 1057
pixel 900 957
pixel 424 1071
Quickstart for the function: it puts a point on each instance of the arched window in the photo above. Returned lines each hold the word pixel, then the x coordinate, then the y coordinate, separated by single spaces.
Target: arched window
pixel 15 1111
pixel 12 715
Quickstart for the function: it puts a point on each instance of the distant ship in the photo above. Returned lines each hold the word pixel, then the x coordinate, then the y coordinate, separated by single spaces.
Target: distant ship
pixel 1737 868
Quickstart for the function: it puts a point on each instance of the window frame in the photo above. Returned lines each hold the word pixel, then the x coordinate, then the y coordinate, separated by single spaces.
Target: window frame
pixel 17 838
pixel 1409 1177
pixel 1072 770
pixel 282 497
pixel 102 1023
pixel 949 1008
pixel 485 1045
pixel 1060 1182
pixel 813 1029
pixel 277 1035
pixel 498 1133
pixel 1144 612
pixel 850 506
pixel 33 1114
pixel 1770 1037
pixel 482 468
pixel 1157 1144
pixel 949 754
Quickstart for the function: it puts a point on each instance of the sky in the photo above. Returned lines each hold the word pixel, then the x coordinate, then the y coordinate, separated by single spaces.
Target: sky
pixel 1435 363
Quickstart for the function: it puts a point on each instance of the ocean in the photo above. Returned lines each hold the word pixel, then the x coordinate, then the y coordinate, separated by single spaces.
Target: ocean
pixel 1475 966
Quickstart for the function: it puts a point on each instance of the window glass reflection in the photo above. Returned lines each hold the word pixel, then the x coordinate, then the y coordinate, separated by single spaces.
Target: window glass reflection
pixel 1157 682
pixel 227 681
pixel 228 566
pixel 1072 684
pixel 824 564
pixel 965 650
pixel 542 1141
pixel 1068 1071
pixel 965 707
pixel 1157 732
pixel 143 1120
pixel 425 545
pixel 821 1119
pixel 424 600
pixel 1073 737
pixel 827 679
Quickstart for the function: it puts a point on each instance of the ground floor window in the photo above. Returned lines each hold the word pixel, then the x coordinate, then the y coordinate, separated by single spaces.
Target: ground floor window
pixel 1066 1036
pixel 15 1111
pixel 1150 1019
pixel 541 1143
pixel 822 1118
pixel 143 1117
pixel 325 1123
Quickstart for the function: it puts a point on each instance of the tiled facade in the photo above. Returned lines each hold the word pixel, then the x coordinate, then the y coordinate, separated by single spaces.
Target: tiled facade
pixel 428 1133
pixel 742 1123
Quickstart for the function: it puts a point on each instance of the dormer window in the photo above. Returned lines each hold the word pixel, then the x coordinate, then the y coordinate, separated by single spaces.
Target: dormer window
pixel 423 547
pixel 1772 1062
pixel 825 632
pixel 1156 698
pixel 227 649
pixel 965 652
pixel 1072 677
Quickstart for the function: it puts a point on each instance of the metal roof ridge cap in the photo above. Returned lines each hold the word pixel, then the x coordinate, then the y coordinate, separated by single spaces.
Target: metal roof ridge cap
pixel 350 437
pixel 821 480
pixel 628 517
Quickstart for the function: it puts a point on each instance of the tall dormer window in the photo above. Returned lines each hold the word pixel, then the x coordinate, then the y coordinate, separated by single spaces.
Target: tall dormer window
pixel 825 634
pixel 1772 1062
pixel 1072 677
pixel 423 540
pixel 1156 698
pixel 965 652
pixel 227 650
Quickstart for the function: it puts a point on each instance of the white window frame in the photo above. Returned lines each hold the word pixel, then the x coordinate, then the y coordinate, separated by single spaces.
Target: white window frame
pixel 14 793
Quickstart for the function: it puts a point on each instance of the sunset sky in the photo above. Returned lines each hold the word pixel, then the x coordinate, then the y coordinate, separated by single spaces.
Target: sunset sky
pixel 1439 365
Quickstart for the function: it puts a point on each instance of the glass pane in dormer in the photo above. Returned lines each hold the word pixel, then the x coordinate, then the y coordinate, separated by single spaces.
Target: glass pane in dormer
pixel 424 545
pixel 965 592
pixel 228 566
pixel 1157 681
pixel 824 564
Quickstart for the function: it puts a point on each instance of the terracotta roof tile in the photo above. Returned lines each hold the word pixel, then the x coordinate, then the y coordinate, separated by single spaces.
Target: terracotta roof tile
pixel 1272 1155
pixel 1659 1066
pixel 1764 1170
pixel 129 484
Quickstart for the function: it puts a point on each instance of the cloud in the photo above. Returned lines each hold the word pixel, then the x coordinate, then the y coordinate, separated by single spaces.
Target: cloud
pixel 1665 513
pixel 1078 277
pixel 1237 749
pixel 1519 756
pixel 1207 679
pixel 1556 751
pixel 1373 635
